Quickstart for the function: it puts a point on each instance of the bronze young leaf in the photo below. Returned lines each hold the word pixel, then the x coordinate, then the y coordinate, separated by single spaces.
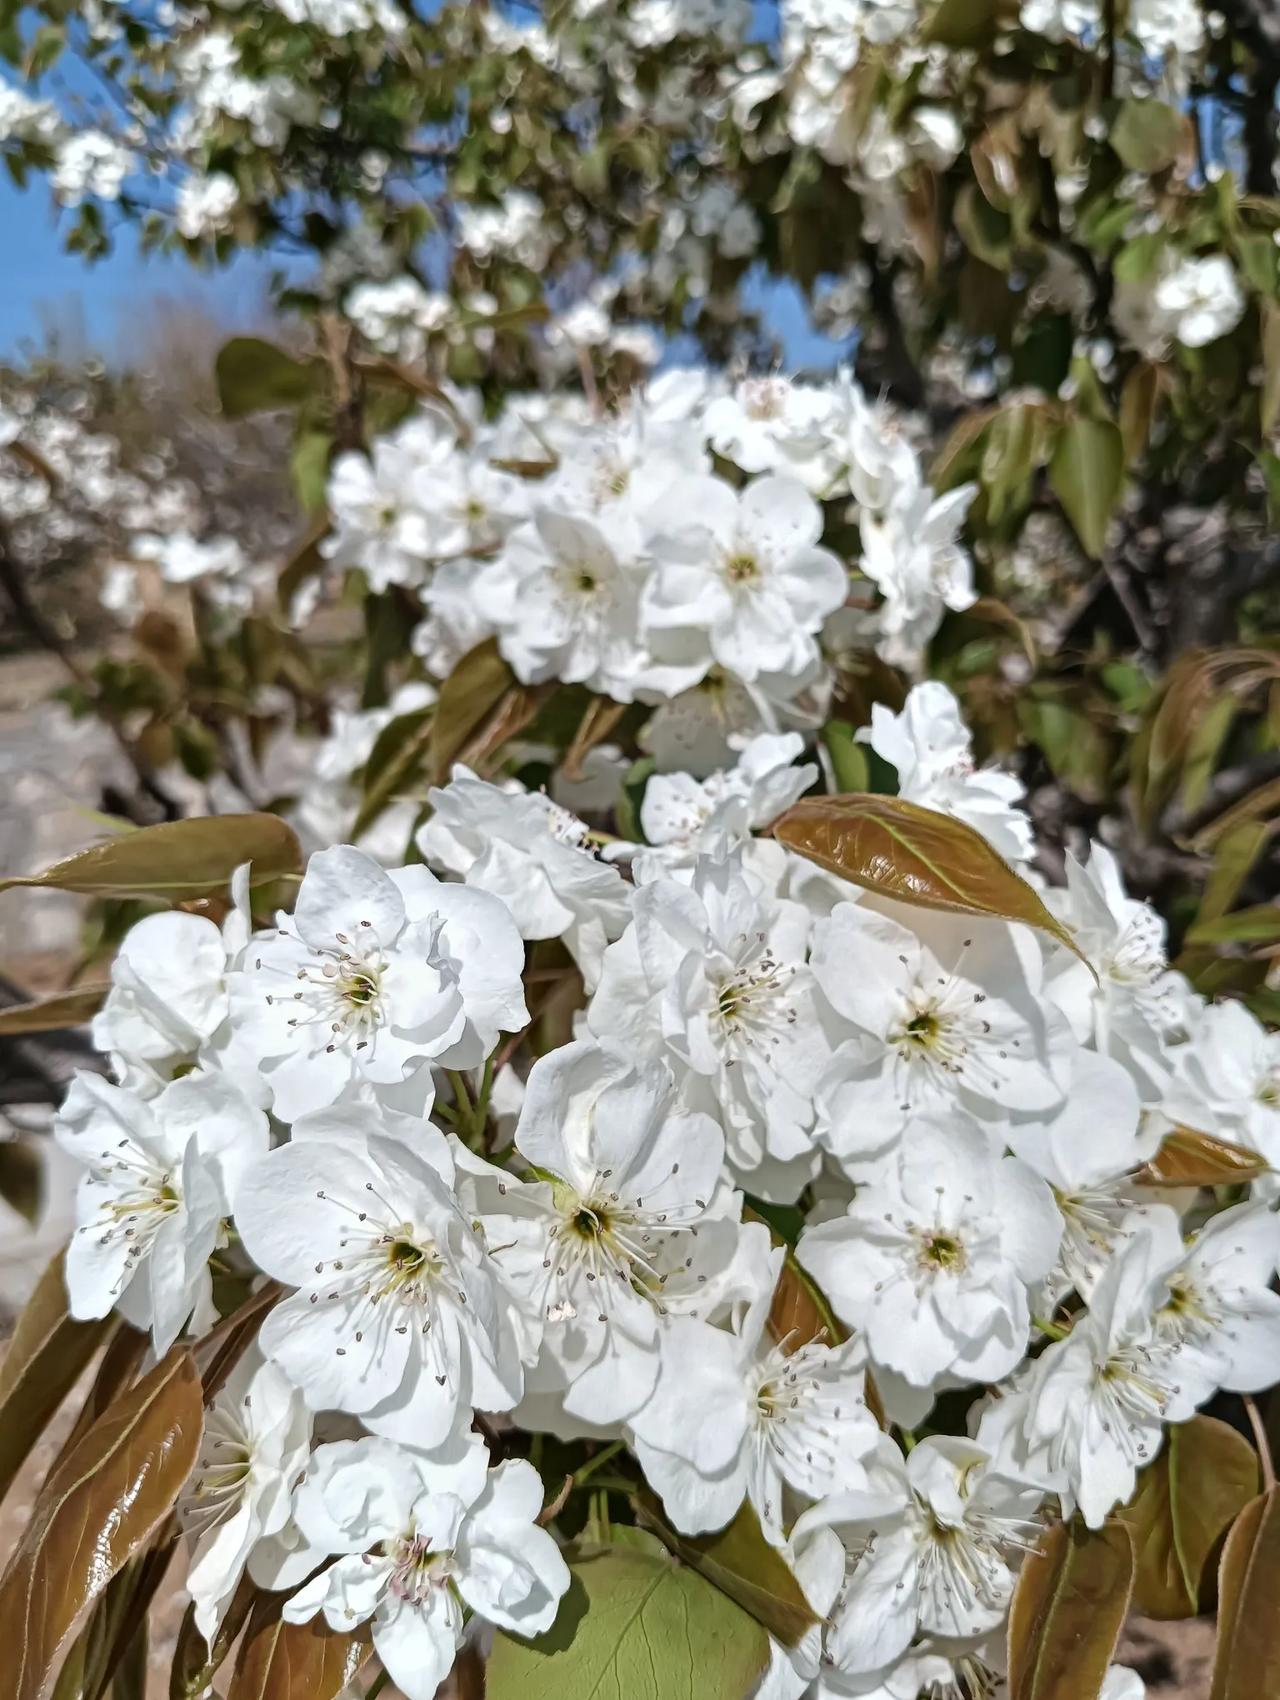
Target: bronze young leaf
pixel 916 855
pixel 100 1506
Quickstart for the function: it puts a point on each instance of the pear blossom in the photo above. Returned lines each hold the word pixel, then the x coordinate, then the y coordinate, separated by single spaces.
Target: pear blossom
pixel 713 977
pixel 744 571
pixel 565 603
pixel 374 976
pixel 620 471
pixel 912 556
pixel 1226 1081
pixel 770 424
pixel 1093 1408
pixel 1086 1149
pixel 931 749
pixel 817 1561
pixel 1123 998
pixel 400 1314
pixel 1200 300
pixel 380 524
pixel 945 1015
pixel 90 164
pixel 162 1175
pixel 683 817
pixel 534 855
pixel 880 460
pixel 168 997
pixel 622 1224
pixel 1219 1313
pixel 419 1541
pixel 935 1543
pixel 934 1258
pixel 772 1416
pixel 255 1445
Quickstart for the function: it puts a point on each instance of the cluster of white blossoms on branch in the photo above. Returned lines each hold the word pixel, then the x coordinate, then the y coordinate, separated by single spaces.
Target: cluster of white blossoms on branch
pixel 484 1231
pixel 687 553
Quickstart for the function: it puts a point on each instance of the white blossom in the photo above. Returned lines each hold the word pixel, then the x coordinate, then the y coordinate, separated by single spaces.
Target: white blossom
pixel 400 1313
pixel 374 976
pixel 161 1177
pixel 419 1541
pixel 934 1258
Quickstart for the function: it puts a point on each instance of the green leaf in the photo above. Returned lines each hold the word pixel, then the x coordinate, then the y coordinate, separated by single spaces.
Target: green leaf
pixel 1184 1504
pixel 398 753
pixel 1258 259
pixel 964 23
pixel 1138 400
pixel 255 376
pixel 1233 858
pixel 1068 1609
pixel 634 1626
pixel 1087 475
pixel 304 564
pixel 100 1506
pixel 1147 134
pixel 1259 924
pixel 177 861
pixel 914 855
pixel 51 1015
pixel 742 1564
pixel 1018 443
pixel 41 1364
pixel 1270 398
pixel 1246 1665
pixel 467 698
pixel 309 467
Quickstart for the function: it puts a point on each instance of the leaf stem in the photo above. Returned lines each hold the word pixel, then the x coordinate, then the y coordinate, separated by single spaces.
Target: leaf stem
pixel 1261 1441
pixel 593 1464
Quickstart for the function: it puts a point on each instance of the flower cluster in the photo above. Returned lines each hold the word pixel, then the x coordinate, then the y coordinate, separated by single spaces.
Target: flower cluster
pixel 479 1238
pixel 673 550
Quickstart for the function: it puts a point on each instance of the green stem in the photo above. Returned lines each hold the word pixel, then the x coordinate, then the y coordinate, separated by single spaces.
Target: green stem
pixel 376 1686
pixel 1052 1329
pixel 458 1080
pixel 593 1464
pixel 483 1096
pixel 908 1438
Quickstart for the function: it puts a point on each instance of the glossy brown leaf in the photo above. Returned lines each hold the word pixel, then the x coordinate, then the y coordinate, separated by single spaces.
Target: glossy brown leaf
pixel 1067 1612
pixel 1189 1158
pixel 177 860
pixel 195 1662
pixel 294 1661
pixel 741 1563
pixel 1185 1502
pixel 467 698
pixel 50 1015
pixel 99 1507
pixel 42 1363
pixel 800 1311
pixel 916 855
pixel 1246 1663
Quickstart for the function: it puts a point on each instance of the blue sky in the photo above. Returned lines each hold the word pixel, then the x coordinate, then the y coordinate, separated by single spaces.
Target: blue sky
pixel 37 277
pixel 40 283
